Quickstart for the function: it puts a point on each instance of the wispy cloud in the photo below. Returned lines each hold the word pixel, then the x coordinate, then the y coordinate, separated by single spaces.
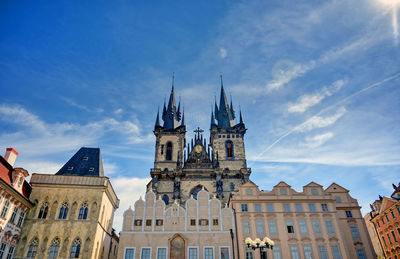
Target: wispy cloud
pixel 223 53
pixel 317 140
pixel 306 101
pixel 282 76
pixel 321 122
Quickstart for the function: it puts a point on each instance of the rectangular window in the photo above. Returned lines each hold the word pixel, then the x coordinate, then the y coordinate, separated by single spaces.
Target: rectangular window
pixel 392 212
pixel 349 214
pixel 193 253
pixel 387 218
pixel 299 207
pixel 14 215
pixel 159 222
pixel 303 227
pixel 260 227
pixel 324 207
pixel 249 254
pixel 283 191
pixel 224 253
pixel 215 222
pixel 314 191
pixel 20 219
pixel 316 226
pixel 388 236
pixel 2 249
pixel 5 209
pixel 257 207
pixel 323 253
pixel 383 221
pixel 193 222
pixel 338 199
pixel 394 236
pixel 203 222
pixel 246 227
pixel 307 252
pixel 148 222
pixel 138 222
pixel 145 253
pixel 354 232
pixel 277 252
pixel 270 207
pixel 294 250
pixel 208 253
pixel 162 253
pixel 311 207
pixel 129 253
pixel 329 227
pixel 361 254
pixel 244 208
pixel 289 226
pixel 384 241
pixel 272 227
pixel 249 191
pixel 286 207
pixel 10 252
pixel 336 252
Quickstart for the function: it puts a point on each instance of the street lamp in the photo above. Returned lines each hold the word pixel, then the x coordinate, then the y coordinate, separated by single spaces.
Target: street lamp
pixel 259 244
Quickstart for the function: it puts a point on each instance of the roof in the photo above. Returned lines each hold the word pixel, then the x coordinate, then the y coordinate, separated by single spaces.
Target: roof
pixel 6 175
pixel 86 162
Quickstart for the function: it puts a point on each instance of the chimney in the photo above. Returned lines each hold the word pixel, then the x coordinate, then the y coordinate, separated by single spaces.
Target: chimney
pixel 11 155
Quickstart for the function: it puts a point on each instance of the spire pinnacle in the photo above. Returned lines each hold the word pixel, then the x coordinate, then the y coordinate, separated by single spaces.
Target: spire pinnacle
pixel 241 118
pixel 158 117
pixel 173 80
pixel 183 123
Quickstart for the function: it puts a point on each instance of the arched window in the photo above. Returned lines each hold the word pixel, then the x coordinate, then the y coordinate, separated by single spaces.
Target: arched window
pixel 83 211
pixel 196 190
pixel 63 211
pixel 165 199
pixel 229 148
pixel 75 248
pixel 43 210
pixel 55 245
pixel 168 155
pixel 232 186
pixel 32 249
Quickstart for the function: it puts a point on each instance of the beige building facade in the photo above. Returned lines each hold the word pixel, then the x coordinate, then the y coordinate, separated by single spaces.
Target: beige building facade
pixel 313 223
pixel 201 229
pixel 73 212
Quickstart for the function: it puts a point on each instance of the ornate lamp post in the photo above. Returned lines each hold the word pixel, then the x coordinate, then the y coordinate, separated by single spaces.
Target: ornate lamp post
pixel 259 244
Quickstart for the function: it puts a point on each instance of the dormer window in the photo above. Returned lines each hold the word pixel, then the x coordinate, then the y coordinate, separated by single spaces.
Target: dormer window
pixel 85 158
pixel 91 169
pixel 283 191
pixel 70 168
pixel 20 181
pixel 314 191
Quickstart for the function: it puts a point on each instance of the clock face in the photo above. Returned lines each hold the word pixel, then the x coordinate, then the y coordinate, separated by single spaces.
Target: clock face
pixel 198 149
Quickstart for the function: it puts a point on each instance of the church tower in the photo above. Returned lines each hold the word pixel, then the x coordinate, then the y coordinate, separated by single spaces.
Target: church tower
pixel 170 138
pixel 227 139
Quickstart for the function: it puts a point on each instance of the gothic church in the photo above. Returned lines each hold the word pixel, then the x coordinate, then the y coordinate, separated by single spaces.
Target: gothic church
pixel 182 169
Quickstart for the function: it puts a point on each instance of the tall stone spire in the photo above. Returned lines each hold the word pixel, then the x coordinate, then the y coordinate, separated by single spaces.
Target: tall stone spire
pixel 172 115
pixel 158 118
pixel 225 114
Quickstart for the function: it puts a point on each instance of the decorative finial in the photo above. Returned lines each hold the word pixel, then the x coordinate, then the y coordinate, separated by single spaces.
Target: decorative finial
pixel 173 80
pixel 222 84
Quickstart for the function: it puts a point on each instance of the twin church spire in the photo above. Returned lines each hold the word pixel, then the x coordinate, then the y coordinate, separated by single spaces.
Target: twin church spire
pixel 223 115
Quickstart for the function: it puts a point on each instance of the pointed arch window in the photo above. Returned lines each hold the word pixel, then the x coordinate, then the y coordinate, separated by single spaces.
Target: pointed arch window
pixel 168 154
pixel 54 247
pixel 165 199
pixel 229 148
pixel 83 211
pixel 32 249
pixel 44 209
pixel 63 211
pixel 75 248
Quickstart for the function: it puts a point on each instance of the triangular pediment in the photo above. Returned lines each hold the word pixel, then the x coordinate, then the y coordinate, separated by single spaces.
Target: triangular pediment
pixel 334 187
pixel 282 184
pixel 313 184
pixel 386 204
pixel 248 184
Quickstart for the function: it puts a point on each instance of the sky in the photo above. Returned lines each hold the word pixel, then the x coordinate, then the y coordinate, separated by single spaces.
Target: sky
pixel 317 83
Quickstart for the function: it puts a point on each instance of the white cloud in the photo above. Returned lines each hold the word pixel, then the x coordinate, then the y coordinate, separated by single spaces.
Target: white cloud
pixel 282 76
pixel 128 191
pixel 317 140
pixel 118 111
pixel 34 134
pixel 320 122
pixel 223 53
pixel 308 100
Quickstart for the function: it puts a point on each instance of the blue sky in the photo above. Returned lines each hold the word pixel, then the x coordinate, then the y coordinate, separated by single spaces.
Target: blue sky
pixel 317 81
